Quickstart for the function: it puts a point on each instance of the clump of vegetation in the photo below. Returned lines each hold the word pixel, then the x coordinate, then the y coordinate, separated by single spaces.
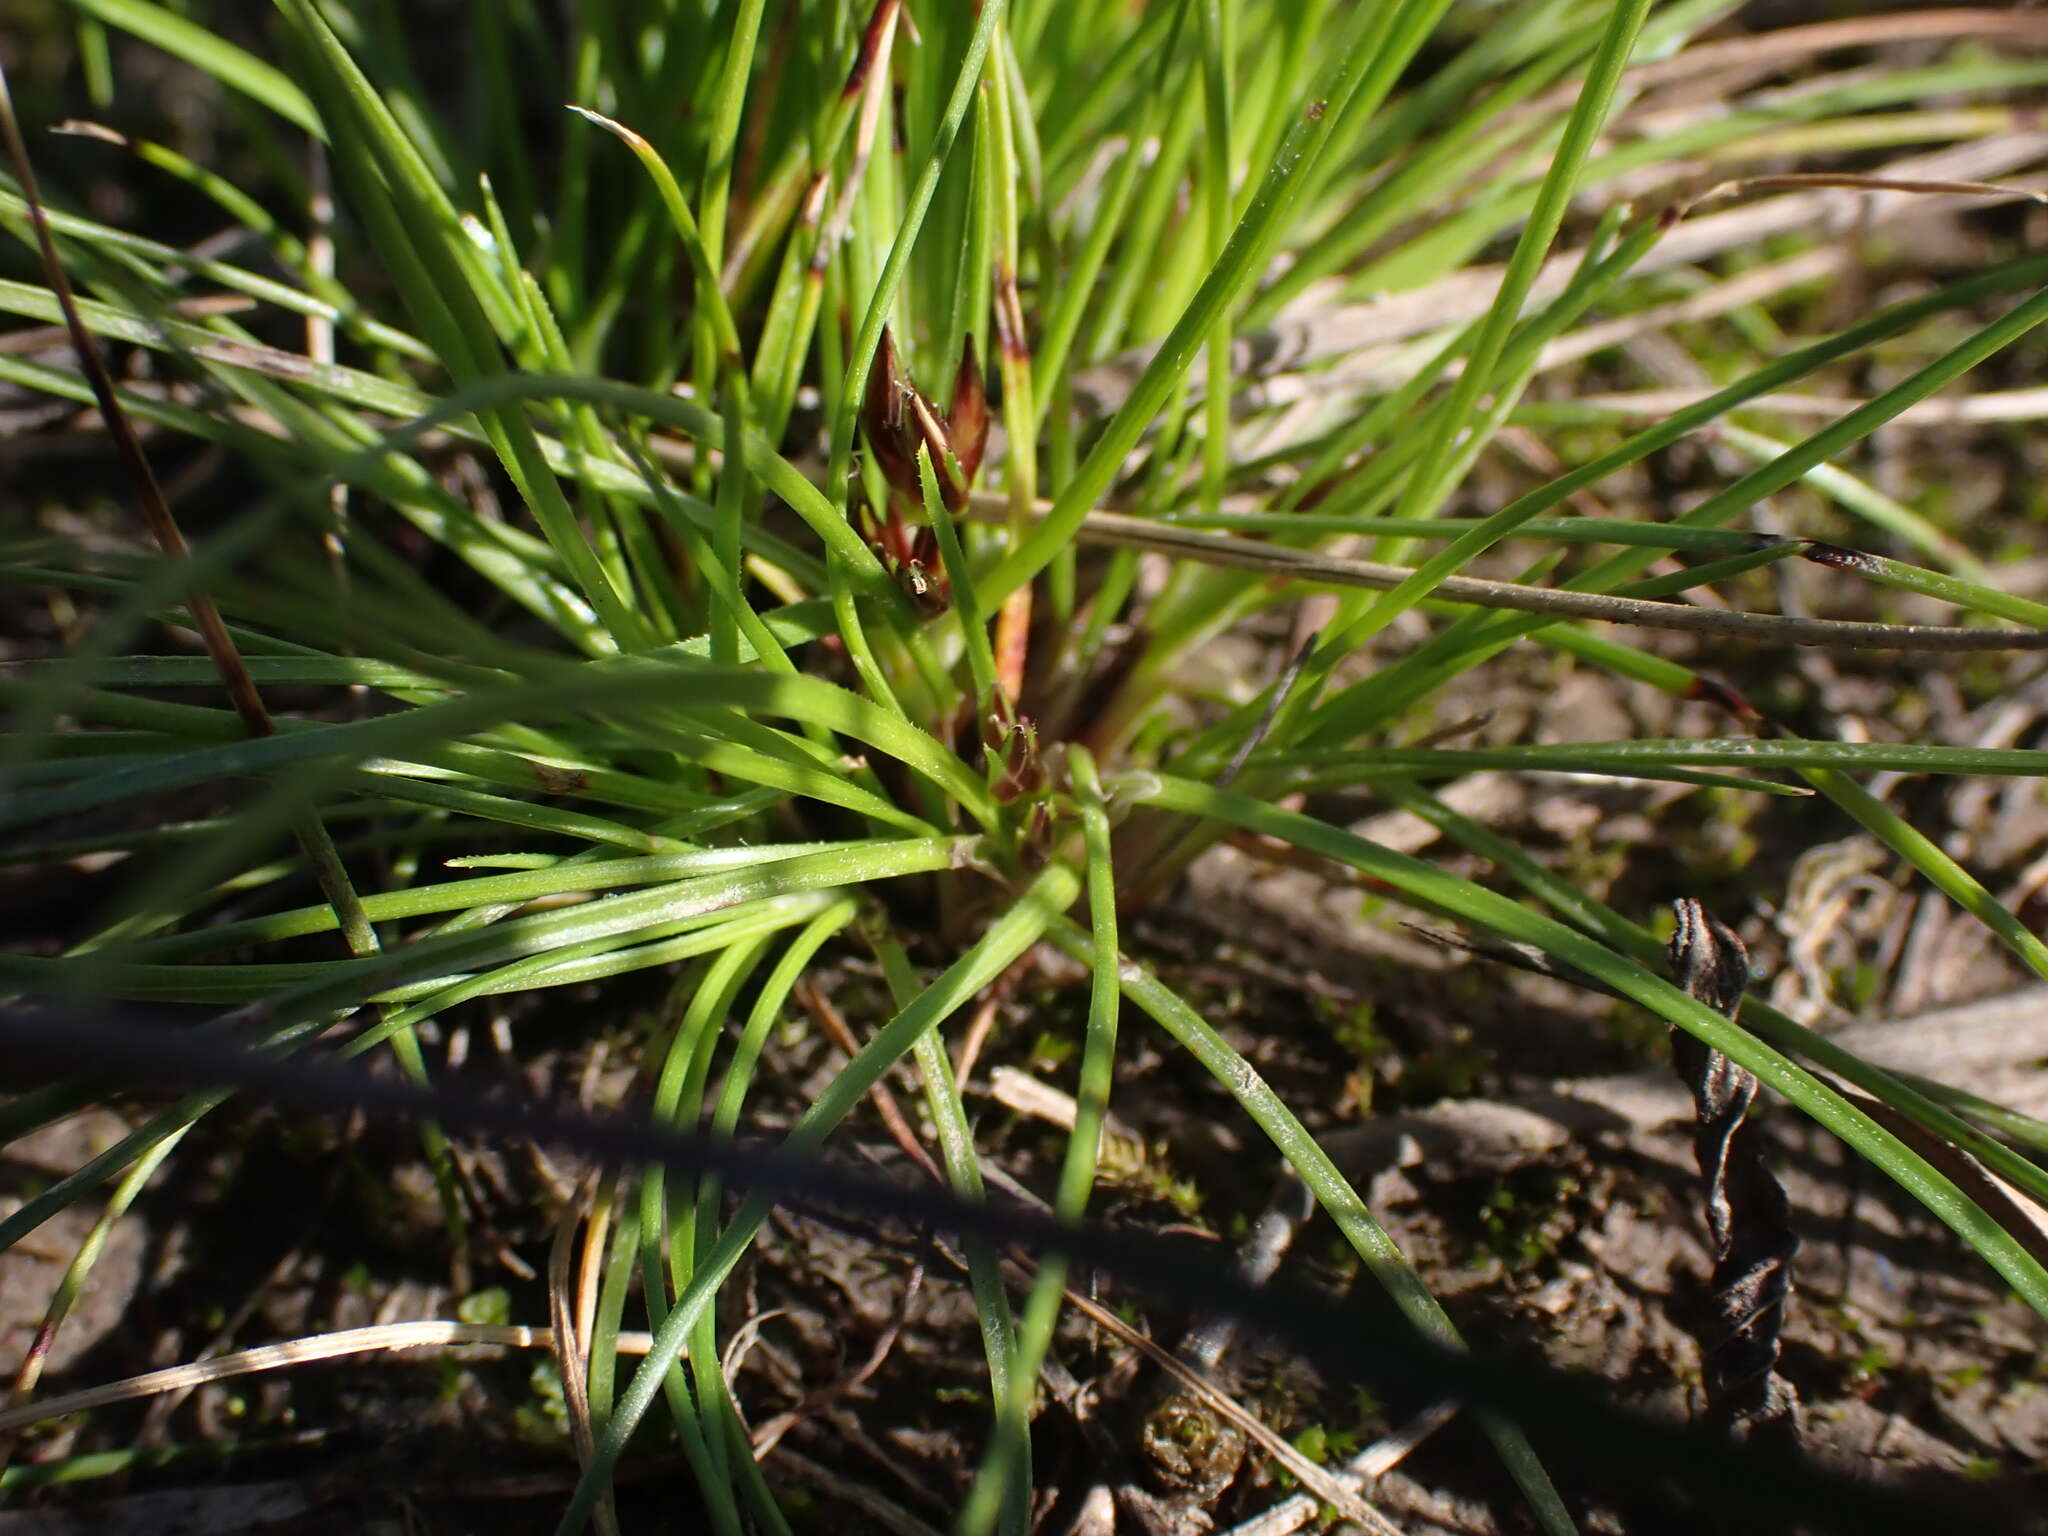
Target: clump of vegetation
pixel 618 557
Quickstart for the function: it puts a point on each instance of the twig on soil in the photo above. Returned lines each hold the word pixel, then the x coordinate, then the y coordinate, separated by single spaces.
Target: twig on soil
pixel 820 1007
pixel 1942 411
pixel 767 1437
pixel 1785 44
pixel 383 1337
pixel 160 1411
pixel 570 1318
pixel 1191 1377
pixel 1311 567
pixel 889 1516
pixel 979 1028
pixel 1312 328
pixel 1376 1460
pixel 1196 1384
pixel 1332 1489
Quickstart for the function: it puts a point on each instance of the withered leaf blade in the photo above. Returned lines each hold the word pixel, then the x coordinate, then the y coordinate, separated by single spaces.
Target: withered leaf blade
pixel 1747 1213
pixel 1707 959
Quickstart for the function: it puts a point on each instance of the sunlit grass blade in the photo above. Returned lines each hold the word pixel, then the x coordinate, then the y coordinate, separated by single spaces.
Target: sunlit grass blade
pixel 1361 54
pixel 212 55
pixel 448 287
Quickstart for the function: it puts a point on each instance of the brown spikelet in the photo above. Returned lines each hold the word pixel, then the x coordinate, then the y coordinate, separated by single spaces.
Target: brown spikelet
pixel 892 437
pixel 967 416
pixel 899 421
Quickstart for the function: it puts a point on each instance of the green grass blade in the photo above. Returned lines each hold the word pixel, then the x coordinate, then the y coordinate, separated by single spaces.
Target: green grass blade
pixel 212 55
pixel 1335 1194
pixel 1009 1446
pixel 1495 913
pixel 1007 938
